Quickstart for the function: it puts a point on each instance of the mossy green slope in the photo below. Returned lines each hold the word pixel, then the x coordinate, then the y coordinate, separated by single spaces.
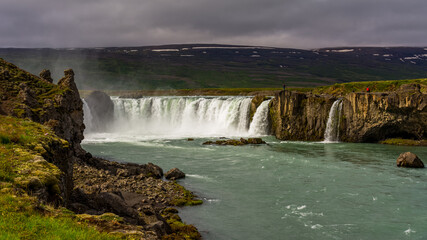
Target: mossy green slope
pixel 374 86
pixel 23 170
pixel 12 80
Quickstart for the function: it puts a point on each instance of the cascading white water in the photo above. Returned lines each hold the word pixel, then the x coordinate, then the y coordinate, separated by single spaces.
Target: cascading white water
pixel 332 127
pixel 180 117
pixel 87 116
pixel 259 125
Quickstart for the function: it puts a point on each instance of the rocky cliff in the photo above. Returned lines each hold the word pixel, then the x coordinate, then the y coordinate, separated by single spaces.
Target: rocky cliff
pixel 300 116
pixel 371 117
pixel 43 158
pixel 25 95
pixel 365 117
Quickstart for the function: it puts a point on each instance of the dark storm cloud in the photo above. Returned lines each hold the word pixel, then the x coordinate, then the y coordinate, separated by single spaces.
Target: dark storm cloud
pixel 283 23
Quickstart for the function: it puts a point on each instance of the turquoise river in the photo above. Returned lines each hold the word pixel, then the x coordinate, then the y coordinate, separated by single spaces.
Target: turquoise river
pixel 280 190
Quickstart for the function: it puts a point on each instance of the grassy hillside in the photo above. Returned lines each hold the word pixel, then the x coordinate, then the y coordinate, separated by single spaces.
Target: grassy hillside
pixel 374 86
pixel 22 170
pixel 335 89
pixel 221 66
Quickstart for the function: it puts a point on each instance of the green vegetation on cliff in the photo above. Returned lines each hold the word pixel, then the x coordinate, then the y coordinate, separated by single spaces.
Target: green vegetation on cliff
pixel 22 145
pixel 404 142
pixel 375 86
pixel 23 170
pixel 17 84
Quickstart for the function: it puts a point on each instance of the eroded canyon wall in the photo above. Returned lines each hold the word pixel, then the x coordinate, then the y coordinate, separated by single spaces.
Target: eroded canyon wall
pixel 365 117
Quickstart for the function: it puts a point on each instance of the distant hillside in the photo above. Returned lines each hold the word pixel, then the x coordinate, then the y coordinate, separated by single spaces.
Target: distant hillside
pixel 222 66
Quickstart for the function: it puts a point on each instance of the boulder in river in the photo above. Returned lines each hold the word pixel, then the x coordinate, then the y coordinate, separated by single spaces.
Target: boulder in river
pixel 409 159
pixel 174 173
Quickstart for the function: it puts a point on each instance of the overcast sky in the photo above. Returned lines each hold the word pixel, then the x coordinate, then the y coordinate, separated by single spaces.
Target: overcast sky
pixel 278 23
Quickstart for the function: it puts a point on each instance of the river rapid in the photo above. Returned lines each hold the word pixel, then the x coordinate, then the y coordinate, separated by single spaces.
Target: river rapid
pixel 281 190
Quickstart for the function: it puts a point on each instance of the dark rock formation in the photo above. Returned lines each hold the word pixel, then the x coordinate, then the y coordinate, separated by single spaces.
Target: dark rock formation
pixel 131 191
pixel 102 110
pixel 300 116
pixel 174 174
pixel 377 116
pixel 255 141
pixel 409 160
pixel 46 75
pixel 236 142
pixel 366 117
pixel 58 106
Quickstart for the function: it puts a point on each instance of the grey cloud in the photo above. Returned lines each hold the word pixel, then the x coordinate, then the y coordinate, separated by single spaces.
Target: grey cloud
pixel 282 23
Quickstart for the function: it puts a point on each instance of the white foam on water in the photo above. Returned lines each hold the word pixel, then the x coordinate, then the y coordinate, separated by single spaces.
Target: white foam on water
pixel 196 176
pixel 409 231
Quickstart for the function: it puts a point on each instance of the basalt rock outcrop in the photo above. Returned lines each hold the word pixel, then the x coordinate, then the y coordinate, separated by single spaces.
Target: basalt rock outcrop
pixel 371 117
pixel 365 117
pixel 174 174
pixel 300 116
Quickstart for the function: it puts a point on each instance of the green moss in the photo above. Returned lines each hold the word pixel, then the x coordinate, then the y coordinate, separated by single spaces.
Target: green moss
pixel 21 162
pixel 404 142
pixel 187 198
pixel 106 217
pixel 375 86
pixel 180 229
pixel 23 168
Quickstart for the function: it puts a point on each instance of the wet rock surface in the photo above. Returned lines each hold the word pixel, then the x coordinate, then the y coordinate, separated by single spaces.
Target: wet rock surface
pixel 236 142
pixel 409 160
pixel 46 75
pixel 174 174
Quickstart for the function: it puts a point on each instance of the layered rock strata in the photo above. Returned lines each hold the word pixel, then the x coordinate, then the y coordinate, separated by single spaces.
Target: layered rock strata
pixel 365 117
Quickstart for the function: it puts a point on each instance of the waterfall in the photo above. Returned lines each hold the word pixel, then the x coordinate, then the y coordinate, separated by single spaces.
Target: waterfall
pixel 332 128
pixel 87 116
pixel 180 117
pixel 259 125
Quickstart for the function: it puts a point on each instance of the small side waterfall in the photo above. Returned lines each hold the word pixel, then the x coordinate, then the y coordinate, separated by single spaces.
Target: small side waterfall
pixel 259 125
pixel 87 116
pixel 332 132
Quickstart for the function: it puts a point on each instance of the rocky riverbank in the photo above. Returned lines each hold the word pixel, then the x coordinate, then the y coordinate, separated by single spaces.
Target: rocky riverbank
pixel 49 163
pixel 134 192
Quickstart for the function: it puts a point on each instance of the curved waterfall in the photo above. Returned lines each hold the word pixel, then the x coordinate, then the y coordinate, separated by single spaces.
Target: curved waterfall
pixel 178 117
pixel 259 125
pixel 332 133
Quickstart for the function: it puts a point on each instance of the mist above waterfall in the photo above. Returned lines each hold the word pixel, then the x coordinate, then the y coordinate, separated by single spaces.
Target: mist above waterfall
pixel 180 117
